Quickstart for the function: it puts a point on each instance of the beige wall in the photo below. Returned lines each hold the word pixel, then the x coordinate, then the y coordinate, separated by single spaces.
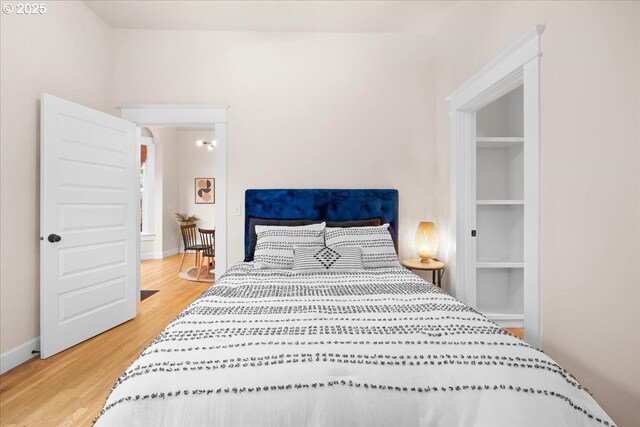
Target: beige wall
pixel 306 110
pixel 195 162
pixel 590 177
pixel 67 53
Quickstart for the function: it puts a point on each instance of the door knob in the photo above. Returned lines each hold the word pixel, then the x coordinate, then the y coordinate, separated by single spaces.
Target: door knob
pixel 53 238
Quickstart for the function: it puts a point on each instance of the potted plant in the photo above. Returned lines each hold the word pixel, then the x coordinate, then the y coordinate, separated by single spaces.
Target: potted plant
pixel 185 219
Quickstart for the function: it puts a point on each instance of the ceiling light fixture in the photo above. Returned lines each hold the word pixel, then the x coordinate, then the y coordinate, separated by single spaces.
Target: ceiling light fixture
pixel 209 144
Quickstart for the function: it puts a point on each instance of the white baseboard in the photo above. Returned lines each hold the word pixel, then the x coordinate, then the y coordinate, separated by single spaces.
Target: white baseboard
pixel 170 252
pixel 159 255
pixel 18 355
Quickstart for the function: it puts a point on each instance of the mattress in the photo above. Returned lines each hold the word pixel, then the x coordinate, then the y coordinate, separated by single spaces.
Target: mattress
pixel 380 347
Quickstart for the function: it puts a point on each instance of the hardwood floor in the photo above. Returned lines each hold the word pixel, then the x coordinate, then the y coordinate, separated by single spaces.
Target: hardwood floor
pixel 519 332
pixel 69 389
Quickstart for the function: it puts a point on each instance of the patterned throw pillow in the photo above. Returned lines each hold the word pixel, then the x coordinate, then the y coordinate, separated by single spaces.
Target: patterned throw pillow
pixel 254 221
pixel 376 243
pixel 321 260
pixel 274 248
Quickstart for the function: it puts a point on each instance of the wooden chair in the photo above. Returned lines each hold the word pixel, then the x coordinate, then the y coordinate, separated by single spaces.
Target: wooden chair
pixel 208 239
pixel 190 242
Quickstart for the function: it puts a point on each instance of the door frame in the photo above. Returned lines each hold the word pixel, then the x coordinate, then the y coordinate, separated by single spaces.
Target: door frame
pixel 518 65
pixel 193 116
pixel 149 186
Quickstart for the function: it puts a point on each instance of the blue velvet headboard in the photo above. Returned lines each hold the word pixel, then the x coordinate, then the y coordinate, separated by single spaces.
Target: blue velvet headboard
pixel 322 205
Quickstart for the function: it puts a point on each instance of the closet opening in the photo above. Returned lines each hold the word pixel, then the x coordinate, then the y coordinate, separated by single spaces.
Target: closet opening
pixel 499 210
pixel 495 188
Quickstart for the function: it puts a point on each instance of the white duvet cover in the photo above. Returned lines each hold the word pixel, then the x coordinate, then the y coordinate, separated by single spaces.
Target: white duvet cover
pixel 377 348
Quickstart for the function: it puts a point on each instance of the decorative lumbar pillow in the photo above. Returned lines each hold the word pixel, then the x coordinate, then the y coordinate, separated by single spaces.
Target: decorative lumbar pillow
pixel 274 248
pixel 254 221
pixel 332 260
pixel 377 245
pixel 355 223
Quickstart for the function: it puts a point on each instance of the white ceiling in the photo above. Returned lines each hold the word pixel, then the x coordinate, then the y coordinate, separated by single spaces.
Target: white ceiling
pixel 286 16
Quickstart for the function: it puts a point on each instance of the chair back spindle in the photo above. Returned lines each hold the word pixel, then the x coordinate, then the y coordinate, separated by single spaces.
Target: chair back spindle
pixel 208 240
pixel 190 242
pixel 189 238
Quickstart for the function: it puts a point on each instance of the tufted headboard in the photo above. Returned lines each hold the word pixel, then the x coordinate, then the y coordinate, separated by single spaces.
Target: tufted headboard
pixel 322 205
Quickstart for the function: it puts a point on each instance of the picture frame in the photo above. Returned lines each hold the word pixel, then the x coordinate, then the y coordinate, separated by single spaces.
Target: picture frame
pixel 205 191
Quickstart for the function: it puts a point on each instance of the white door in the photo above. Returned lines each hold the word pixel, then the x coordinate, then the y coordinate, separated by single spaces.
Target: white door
pixel 89 192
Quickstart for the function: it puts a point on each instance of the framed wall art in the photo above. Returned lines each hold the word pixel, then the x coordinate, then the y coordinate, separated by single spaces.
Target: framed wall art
pixel 205 189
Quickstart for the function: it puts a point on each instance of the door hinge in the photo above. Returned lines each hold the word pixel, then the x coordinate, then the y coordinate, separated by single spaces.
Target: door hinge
pixel 473 233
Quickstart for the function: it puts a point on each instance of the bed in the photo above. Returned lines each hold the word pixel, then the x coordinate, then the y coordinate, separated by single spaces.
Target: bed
pixel 377 347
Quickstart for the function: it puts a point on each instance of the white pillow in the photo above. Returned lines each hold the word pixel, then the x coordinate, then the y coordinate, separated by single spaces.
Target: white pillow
pixel 274 246
pixel 331 260
pixel 376 243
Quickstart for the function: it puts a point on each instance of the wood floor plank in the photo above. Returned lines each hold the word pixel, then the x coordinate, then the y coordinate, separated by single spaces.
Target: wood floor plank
pixel 519 332
pixel 69 388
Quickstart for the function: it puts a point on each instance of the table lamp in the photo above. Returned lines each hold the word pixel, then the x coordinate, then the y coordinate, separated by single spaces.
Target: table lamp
pixel 426 241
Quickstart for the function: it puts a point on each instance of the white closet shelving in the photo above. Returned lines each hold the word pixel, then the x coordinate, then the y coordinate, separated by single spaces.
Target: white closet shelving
pixel 499 215
pixel 495 187
pixel 500 202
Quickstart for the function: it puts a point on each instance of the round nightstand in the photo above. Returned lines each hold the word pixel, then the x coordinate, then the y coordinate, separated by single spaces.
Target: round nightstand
pixel 434 266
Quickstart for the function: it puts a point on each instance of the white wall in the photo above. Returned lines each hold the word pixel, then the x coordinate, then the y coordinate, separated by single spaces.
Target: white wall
pixel 360 110
pixel 503 117
pixel 590 176
pixel 153 248
pixel 306 110
pixel 178 162
pixel 68 53
pixel 195 162
pixel 166 140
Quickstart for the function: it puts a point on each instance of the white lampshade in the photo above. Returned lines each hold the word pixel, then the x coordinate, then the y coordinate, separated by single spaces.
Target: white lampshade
pixel 210 147
pixel 426 241
pixel 199 143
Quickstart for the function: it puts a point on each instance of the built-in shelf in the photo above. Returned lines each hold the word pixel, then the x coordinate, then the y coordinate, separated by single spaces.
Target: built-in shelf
pixel 499 142
pixel 499 233
pixel 500 139
pixel 507 320
pixel 505 316
pixel 499 210
pixel 500 293
pixel 482 264
pixel 500 171
pixel 500 202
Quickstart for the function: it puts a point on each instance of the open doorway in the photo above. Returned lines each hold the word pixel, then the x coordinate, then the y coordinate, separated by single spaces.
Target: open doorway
pixel 178 188
pixel 91 228
pixel 197 118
